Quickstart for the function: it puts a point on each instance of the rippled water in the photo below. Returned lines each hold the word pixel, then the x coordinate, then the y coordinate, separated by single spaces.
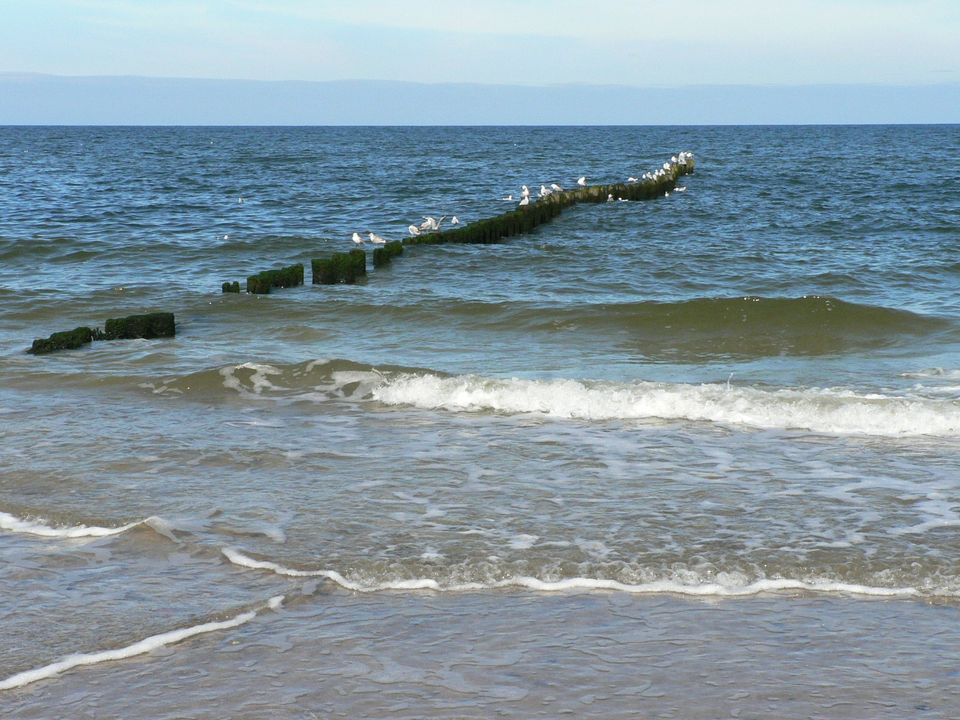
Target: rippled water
pixel 691 457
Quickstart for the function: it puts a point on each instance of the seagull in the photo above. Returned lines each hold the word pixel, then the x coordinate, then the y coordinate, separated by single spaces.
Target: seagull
pixel 524 191
pixel 682 188
pixel 454 220
pixel 436 225
pixel 544 191
pixel 377 240
pixel 525 201
pixel 413 230
pixel 582 181
pixel 357 239
pixel 555 187
pixel 666 166
pixel 508 197
pixel 428 223
pixel 239 201
pixel 631 179
pixel 610 197
pixel 666 194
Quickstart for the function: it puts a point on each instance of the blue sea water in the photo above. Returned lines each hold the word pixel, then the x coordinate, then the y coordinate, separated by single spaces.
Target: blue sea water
pixel 726 419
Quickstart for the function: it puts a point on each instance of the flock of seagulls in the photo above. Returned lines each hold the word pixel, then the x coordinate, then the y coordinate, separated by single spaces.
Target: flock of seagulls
pixel 431 224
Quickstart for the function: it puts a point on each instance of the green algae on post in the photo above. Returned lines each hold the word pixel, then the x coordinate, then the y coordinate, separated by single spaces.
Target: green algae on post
pixel 65 340
pixel 149 326
pixel 339 268
pixel 231 287
pixel 261 283
pixel 384 255
pixel 527 218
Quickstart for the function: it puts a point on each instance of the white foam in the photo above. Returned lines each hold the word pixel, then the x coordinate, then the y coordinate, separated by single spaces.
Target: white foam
pixel 39 527
pixel 138 648
pixel 259 378
pixel 825 410
pixel 702 589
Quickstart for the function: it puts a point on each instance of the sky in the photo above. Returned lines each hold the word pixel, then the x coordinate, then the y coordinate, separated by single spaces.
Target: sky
pixel 527 42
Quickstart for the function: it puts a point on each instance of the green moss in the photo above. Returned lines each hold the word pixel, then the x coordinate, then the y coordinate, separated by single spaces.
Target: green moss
pixel 261 283
pixel 65 340
pixel 340 267
pixel 231 287
pixel 152 325
pixel 385 254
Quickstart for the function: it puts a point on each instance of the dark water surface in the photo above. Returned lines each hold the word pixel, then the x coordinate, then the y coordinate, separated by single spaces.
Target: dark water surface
pixel 693 457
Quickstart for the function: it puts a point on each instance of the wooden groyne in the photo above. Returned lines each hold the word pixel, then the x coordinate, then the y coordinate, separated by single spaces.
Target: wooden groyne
pixel 149 326
pixel 543 210
pixel 350 267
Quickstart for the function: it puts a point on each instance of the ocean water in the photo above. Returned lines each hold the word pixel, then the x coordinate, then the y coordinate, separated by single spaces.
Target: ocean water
pixel 693 457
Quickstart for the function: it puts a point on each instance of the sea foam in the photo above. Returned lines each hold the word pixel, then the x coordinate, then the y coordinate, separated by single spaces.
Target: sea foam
pixel 40 528
pixel 824 410
pixel 672 587
pixel 138 648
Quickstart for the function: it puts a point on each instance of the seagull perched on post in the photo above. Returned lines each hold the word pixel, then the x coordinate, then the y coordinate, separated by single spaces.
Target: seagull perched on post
pixel 357 239
pixel 524 202
pixel 555 187
pixel 582 181
pixel 413 230
pixel 544 191
pixel 454 220
pixel 377 240
pixel 524 191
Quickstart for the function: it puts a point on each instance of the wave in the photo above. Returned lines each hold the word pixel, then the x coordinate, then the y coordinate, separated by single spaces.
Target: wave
pixel 697 329
pixel 705 589
pixel 824 410
pixel 41 528
pixel 138 648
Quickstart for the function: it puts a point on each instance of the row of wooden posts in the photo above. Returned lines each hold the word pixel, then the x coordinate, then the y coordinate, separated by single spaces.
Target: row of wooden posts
pixel 349 267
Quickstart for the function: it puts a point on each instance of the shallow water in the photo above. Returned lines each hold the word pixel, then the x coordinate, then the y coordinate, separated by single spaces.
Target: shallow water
pixel 723 423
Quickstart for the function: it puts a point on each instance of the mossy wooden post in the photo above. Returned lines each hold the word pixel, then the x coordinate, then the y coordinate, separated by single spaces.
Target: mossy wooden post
pixel 285 277
pixel 65 340
pixel 340 268
pixel 150 326
pixel 385 255
pixel 231 287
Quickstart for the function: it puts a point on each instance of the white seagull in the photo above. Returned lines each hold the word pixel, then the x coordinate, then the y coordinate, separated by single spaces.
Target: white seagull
pixel 413 230
pixel 454 220
pixel 428 223
pixel 544 191
pixel 631 179
pixel 610 197
pixel 524 202
pixel 357 239
pixel 555 187
pixel 524 191
pixel 508 197
pixel 377 240
pixel 582 181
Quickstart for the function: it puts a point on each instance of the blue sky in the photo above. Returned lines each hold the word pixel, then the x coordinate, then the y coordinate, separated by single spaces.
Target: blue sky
pixel 661 44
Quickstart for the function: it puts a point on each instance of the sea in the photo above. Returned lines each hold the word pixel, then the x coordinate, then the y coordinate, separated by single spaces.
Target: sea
pixel 692 457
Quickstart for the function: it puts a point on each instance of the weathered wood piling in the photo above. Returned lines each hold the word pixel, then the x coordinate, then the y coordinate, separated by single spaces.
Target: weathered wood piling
pixel 149 326
pixel 66 340
pixel 385 255
pixel 339 268
pixel 261 283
